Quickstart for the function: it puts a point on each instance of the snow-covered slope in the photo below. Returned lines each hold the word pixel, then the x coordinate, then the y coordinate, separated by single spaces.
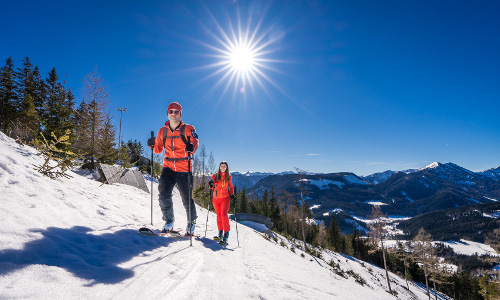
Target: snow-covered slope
pixel 493 173
pixel 75 239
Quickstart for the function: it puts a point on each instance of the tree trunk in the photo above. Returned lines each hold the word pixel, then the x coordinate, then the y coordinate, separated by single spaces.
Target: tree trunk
pixel 425 273
pixel 434 281
pixel 385 266
pixel 302 217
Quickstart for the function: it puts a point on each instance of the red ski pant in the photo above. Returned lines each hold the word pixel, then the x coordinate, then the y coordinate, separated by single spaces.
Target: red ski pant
pixel 221 206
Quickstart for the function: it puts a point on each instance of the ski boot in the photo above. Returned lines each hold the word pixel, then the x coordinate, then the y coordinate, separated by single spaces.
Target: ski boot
pixel 190 228
pixel 167 227
pixel 219 237
pixel 224 238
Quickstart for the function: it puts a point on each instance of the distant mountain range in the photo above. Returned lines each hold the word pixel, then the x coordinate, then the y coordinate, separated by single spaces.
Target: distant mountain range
pixel 249 179
pixel 406 193
pixel 377 178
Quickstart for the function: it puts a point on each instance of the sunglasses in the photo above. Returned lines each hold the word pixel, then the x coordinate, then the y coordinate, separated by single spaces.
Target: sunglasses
pixel 173 112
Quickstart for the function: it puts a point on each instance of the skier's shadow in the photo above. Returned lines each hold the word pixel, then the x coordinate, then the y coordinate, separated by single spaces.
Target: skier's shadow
pixel 88 256
pixel 213 245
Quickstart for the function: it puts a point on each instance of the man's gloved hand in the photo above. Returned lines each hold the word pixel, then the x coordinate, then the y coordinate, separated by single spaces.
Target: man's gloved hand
pixel 151 142
pixel 211 184
pixel 189 147
pixel 233 197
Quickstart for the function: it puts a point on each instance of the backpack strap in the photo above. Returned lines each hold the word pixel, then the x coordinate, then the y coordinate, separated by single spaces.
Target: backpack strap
pixel 182 136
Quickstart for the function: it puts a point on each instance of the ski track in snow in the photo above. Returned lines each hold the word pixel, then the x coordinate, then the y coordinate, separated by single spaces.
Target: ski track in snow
pixel 77 239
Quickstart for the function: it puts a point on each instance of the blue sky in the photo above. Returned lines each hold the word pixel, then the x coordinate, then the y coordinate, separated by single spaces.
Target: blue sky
pixel 359 86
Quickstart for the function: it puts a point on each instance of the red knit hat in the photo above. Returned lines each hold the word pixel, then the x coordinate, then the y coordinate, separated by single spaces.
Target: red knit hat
pixel 175 105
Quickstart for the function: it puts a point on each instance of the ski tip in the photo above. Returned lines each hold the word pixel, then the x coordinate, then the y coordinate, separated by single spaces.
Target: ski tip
pixel 146 230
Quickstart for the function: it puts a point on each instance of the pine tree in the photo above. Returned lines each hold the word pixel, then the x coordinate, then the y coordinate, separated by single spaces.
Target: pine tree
pixel 57 161
pixel 82 143
pixel 264 204
pixel 334 236
pixel 275 213
pixel 27 114
pixel 284 199
pixel 58 110
pixel 28 119
pixel 135 149
pixel 39 95
pixel 124 157
pixel 355 242
pixel 243 201
pixel 254 207
pixel 8 95
pixel 106 143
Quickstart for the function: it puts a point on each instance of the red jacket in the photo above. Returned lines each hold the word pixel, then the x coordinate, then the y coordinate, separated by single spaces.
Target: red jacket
pixel 175 148
pixel 220 187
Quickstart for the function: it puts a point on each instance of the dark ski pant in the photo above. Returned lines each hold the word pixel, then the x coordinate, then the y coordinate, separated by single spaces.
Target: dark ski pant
pixel 168 179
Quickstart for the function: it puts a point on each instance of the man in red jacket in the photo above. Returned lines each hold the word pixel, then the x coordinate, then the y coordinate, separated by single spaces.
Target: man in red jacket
pixel 178 140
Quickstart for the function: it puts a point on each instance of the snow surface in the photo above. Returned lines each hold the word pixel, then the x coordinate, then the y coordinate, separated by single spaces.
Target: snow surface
pixel 494 215
pixel 470 248
pixel 430 166
pixel 460 247
pixel 77 239
pixel 375 203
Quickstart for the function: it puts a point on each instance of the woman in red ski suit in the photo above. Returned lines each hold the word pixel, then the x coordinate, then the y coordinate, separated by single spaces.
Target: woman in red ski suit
pixel 222 185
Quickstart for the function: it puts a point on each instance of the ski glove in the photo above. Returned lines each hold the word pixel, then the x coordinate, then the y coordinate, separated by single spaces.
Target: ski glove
pixel 211 184
pixel 233 197
pixel 151 142
pixel 189 147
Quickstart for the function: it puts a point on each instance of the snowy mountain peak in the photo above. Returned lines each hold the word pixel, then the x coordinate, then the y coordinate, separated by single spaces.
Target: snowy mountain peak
pixel 448 168
pixel 431 166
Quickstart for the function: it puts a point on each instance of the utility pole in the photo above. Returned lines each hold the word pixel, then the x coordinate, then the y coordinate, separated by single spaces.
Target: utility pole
pixel 122 110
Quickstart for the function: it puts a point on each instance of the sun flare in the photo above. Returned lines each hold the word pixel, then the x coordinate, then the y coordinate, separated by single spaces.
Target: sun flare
pixel 242 54
pixel 242 58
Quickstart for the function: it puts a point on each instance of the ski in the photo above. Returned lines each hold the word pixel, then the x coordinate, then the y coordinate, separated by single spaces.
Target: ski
pixel 171 233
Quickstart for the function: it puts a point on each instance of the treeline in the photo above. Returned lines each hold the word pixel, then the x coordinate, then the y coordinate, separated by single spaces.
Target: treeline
pixel 42 111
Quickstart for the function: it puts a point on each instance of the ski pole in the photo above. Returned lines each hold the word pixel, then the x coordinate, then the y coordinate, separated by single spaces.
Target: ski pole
pixel 152 166
pixel 208 210
pixel 235 219
pixel 189 193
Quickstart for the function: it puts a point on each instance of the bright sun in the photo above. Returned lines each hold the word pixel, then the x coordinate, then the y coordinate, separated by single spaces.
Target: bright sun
pixel 241 55
pixel 242 58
